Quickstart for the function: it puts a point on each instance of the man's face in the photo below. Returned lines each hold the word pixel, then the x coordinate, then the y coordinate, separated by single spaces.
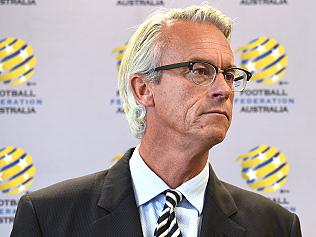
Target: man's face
pixel 203 113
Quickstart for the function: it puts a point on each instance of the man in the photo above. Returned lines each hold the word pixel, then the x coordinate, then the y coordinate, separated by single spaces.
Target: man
pixel 177 80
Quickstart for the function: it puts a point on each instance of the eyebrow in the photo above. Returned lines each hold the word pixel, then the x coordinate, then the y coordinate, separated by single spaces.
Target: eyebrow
pixel 209 61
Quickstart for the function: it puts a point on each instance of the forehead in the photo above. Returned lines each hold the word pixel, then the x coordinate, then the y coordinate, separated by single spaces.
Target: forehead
pixel 187 40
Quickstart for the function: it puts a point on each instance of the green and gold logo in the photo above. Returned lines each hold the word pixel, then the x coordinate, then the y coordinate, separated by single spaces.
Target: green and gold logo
pixel 17 61
pixel 264 168
pixel 119 51
pixel 265 58
pixel 16 170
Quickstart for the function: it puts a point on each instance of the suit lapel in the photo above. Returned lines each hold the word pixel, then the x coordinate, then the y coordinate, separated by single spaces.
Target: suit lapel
pixel 219 206
pixel 117 213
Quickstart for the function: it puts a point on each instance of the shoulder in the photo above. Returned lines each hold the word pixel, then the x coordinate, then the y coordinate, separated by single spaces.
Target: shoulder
pixel 88 189
pixel 64 198
pixel 71 207
pixel 89 185
pixel 69 189
pixel 261 215
pixel 71 202
pixel 250 201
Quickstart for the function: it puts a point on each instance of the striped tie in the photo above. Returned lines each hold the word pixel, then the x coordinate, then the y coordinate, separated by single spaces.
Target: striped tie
pixel 167 223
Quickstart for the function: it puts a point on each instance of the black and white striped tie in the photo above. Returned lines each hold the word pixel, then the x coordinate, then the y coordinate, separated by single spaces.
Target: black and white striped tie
pixel 167 224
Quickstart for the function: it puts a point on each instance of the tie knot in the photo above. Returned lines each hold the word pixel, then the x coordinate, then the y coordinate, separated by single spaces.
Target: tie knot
pixel 173 197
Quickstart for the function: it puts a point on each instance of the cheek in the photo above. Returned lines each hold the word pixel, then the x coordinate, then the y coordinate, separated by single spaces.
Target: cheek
pixel 174 103
pixel 231 103
pixel 177 103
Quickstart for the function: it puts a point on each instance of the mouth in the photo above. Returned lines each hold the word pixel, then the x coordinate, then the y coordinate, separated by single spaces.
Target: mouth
pixel 218 112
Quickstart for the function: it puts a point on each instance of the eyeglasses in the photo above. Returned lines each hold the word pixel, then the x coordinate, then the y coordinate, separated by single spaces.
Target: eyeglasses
pixel 204 73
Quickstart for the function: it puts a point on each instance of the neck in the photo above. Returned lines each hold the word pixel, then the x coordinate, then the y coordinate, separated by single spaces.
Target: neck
pixel 172 159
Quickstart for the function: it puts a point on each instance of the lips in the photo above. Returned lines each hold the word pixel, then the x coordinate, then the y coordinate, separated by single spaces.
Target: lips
pixel 217 112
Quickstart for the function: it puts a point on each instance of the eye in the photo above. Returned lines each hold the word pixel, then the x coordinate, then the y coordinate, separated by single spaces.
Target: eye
pixel 202 71
pixel 236 77
pixel 230 75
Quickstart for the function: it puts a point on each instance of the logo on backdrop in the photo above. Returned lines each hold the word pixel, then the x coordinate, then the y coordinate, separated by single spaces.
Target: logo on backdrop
pixel 135 3
pixel 17 66
pixel 265 169
pixel 16 170
pixel 117 101
pixel 18 2
pixel 267 60
pixel 263 2
pixel 16 176
pixel 119 51
pixel 17 61
pixel 117 157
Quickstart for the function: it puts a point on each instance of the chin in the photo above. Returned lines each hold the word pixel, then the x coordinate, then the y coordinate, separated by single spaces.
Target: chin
pixel 213 137
pixel 218 140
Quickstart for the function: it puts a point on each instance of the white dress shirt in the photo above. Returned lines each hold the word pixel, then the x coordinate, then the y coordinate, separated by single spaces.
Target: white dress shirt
pixel 150 200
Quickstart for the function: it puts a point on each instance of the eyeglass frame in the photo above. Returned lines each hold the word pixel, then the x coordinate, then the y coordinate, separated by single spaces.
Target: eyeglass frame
pixel 190 65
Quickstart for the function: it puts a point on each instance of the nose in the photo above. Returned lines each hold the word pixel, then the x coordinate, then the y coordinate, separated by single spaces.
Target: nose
pixel 220 89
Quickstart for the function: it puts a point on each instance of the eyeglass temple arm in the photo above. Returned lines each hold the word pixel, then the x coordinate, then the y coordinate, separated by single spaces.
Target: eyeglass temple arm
pixel 173 66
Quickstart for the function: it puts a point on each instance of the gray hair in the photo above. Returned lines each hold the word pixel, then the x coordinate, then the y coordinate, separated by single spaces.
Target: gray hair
pixel 144 49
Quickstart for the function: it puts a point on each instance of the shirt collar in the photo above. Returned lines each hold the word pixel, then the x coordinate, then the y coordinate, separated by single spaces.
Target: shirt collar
pixel 194 189
pixel 143 176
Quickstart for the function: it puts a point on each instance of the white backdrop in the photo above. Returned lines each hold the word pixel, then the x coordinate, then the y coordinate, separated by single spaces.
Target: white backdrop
pixel 64 120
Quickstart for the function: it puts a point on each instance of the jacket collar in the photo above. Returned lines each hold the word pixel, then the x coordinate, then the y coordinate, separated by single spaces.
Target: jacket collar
pixel 118 214
pixel 219 206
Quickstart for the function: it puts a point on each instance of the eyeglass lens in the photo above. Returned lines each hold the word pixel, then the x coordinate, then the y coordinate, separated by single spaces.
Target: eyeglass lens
pixel 204 74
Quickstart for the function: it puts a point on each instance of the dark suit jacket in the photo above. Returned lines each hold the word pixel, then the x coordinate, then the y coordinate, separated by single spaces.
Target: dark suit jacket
pixel 103 204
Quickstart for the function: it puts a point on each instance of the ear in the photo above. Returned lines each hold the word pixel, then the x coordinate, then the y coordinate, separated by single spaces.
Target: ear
pixel 142 90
